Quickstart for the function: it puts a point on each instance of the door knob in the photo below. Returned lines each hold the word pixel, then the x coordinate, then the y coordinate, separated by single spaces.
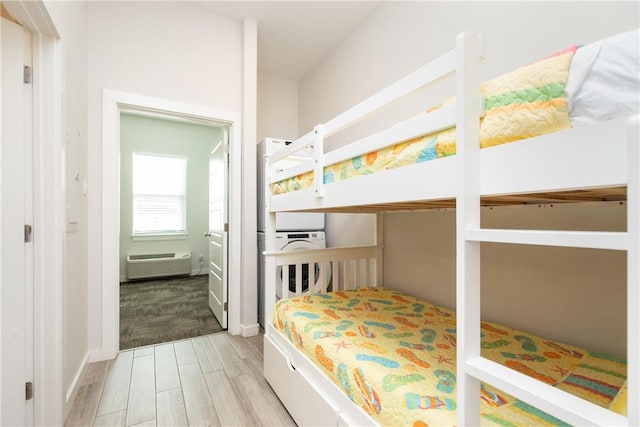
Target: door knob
pixel 206 234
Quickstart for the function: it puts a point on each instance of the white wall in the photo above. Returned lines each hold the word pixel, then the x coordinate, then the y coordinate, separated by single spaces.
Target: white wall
pixel 278 118
pixel 397 39
pixel 277 107
pixel 162 136
pixel 166 50
pixel 70 21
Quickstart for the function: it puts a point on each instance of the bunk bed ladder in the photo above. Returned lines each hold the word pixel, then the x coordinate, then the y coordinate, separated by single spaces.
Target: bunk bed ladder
pixel 472 368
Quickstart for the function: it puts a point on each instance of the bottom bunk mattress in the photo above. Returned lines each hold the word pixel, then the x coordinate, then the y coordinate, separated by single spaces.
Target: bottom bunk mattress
pixel 394 356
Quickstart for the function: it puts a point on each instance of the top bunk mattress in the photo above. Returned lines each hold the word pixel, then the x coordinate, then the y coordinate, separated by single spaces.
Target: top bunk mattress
pixel 575 87
pixel 395 356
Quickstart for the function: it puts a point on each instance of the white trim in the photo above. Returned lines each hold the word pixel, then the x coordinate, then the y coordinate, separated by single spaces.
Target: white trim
pixel 250 331
pixel 33 15
pixel 113 102
pixel 248 256
pixel 72 391
pixel 49 213
pixel 234 250
pixel 47 198
pixel 98 355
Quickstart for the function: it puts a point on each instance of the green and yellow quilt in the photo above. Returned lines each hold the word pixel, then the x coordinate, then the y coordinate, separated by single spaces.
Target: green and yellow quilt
pixel 526 102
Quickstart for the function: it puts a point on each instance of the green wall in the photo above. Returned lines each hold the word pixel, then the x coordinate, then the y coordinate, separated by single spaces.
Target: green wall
pixel 147 134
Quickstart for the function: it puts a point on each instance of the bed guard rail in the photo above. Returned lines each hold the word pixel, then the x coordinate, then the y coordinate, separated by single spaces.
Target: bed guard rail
pixel 428 74
pixel 339 268
pixel 347 267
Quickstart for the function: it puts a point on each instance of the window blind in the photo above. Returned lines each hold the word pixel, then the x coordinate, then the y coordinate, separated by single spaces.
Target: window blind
pixel 159 194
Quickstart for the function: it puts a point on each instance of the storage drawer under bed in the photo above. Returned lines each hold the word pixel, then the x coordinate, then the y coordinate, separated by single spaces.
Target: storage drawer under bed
pixel 302 400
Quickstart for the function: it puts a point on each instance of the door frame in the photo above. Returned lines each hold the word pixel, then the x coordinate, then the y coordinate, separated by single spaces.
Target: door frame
pixel 48 209
pixel 113 102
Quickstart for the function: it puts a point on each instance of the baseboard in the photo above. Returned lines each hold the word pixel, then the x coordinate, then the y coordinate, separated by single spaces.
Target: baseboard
pixel 250 331
pixel 72 391
pixel 99 354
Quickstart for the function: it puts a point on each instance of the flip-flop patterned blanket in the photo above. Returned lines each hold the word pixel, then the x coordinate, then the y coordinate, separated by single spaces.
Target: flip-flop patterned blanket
pixel 395 356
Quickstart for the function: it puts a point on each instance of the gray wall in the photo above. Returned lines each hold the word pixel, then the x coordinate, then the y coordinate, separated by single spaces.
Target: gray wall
pixel 193 141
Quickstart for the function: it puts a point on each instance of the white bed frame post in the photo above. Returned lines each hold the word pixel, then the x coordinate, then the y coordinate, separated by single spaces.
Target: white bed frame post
pixel 633 275
pixel 318 155
pixel 468 216
pixel 472 368
pixel 379 242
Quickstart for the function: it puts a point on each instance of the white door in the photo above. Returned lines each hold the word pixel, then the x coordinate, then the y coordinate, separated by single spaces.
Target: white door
pixel 16 347
pixel 218 232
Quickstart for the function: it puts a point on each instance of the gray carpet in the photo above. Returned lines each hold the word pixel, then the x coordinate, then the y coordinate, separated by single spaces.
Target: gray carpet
pixel 156 311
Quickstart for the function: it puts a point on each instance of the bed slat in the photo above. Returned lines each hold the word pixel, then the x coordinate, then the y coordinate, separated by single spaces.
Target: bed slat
pixel 435 70
pixel 285 281
pixel 346 268
pixel 574 239
pixel 421 125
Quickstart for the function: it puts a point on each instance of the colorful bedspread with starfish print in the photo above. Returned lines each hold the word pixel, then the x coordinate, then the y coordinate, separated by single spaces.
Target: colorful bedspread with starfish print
pixel 395 356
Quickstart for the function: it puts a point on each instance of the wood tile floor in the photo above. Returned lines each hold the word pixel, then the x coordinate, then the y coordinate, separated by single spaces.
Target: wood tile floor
pixel 213 380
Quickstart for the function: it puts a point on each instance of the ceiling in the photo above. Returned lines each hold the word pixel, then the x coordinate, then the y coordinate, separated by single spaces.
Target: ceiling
pixel 293 36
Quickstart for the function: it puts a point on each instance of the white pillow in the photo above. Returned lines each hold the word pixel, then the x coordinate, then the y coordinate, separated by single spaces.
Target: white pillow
pixel 604 80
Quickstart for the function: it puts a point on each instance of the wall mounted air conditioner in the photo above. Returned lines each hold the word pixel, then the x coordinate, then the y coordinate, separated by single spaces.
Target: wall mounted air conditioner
pixel 143 266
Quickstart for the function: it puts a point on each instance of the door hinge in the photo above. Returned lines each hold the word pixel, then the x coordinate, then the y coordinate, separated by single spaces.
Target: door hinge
pixel 28 233
pixel 225 306
pixel 226 227
pixel 27 75
pixel 28 390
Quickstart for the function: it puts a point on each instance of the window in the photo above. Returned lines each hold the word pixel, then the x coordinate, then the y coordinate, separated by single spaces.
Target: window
pixel 159 194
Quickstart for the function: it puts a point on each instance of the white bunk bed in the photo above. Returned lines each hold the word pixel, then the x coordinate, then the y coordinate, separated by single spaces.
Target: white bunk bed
pixel 577 171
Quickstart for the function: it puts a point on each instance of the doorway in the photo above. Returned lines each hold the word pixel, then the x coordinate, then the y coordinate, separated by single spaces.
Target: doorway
pixel 166 182
pixel 114 104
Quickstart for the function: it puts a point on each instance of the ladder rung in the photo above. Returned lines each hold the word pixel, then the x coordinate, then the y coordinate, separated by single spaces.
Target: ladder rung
pixel 551 400
pixel 575 239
